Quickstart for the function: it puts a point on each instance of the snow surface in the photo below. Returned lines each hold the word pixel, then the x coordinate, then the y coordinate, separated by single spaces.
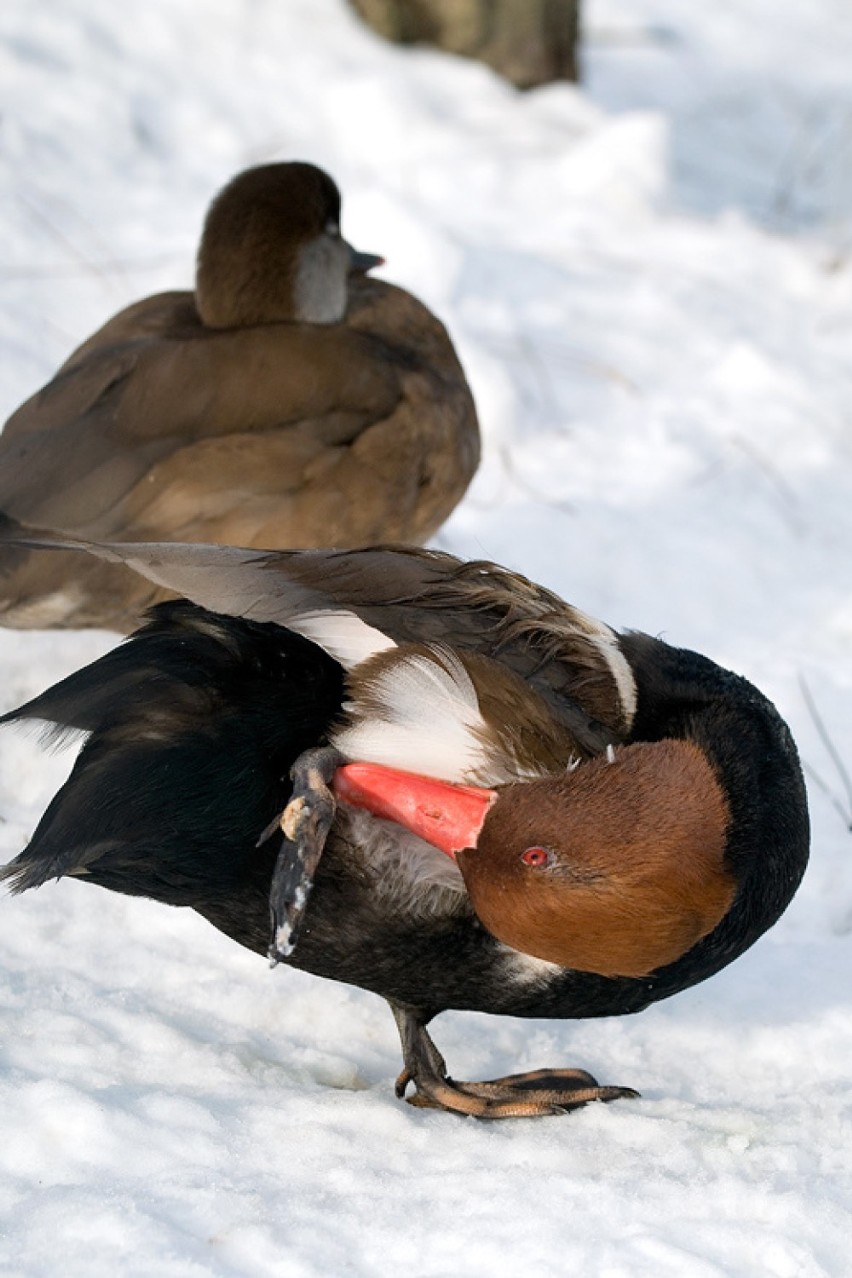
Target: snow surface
pixel 649 282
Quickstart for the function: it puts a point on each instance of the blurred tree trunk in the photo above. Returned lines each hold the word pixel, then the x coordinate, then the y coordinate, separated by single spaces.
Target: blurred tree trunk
pixel 530 42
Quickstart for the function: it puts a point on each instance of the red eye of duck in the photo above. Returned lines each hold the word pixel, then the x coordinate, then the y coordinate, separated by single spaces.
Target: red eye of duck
pixel 536 857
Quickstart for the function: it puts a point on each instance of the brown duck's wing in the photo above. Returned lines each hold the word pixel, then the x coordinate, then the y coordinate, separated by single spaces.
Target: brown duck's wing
pixel 73 453
pixel 356 603
pixel 348 478
pixel 427 451
pixel 332 481
pixel 258 379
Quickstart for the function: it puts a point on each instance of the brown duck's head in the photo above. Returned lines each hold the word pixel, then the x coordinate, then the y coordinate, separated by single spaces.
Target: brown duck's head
pixel 617 867
pixel 271 250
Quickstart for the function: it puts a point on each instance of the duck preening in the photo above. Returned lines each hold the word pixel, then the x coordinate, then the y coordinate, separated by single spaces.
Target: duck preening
pixel 289 400
pixel 497 802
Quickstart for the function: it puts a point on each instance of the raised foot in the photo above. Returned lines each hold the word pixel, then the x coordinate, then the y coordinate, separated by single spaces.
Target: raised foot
pixel 535 1094
pixel 305 823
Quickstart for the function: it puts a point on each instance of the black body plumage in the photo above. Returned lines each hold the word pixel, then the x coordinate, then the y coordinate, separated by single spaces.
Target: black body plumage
pixel 193 726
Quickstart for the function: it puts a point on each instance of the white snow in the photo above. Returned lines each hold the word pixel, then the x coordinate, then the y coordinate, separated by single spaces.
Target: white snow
pixel 649 282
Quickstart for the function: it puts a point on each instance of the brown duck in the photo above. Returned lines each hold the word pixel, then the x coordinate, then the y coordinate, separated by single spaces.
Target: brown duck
pixel 621 818
pixel 288 401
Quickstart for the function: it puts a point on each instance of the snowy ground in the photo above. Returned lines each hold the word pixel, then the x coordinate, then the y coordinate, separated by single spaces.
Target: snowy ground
pixel 650 285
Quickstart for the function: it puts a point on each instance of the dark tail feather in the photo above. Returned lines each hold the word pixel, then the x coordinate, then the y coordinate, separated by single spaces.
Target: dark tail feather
pixel 193 723
pixel 24 872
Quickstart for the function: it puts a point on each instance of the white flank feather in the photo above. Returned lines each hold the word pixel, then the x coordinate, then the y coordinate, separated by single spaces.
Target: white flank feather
pixel 343 635
pixel 427 721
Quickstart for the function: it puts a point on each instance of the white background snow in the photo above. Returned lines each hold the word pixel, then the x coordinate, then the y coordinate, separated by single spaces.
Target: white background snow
pixel 649 282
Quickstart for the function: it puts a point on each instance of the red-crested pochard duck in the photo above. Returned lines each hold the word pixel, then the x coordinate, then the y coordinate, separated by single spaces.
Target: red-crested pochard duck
pixel 617 819
pixel 288 401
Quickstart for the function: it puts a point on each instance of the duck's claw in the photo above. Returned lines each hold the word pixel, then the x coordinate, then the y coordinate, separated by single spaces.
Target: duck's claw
pixel 305 823
pixel 534 1094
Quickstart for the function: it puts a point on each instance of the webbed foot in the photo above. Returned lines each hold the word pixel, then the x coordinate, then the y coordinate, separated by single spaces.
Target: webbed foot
pixel 531 1095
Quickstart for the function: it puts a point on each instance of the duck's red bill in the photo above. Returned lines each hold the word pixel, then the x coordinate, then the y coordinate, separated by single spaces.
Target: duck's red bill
pixel 448 816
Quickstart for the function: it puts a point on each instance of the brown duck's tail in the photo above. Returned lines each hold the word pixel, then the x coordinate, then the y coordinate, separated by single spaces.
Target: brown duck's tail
pixel 14 533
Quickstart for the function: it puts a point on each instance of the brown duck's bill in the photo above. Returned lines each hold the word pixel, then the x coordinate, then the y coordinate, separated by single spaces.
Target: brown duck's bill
pixel 448 816
pixel 360 263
